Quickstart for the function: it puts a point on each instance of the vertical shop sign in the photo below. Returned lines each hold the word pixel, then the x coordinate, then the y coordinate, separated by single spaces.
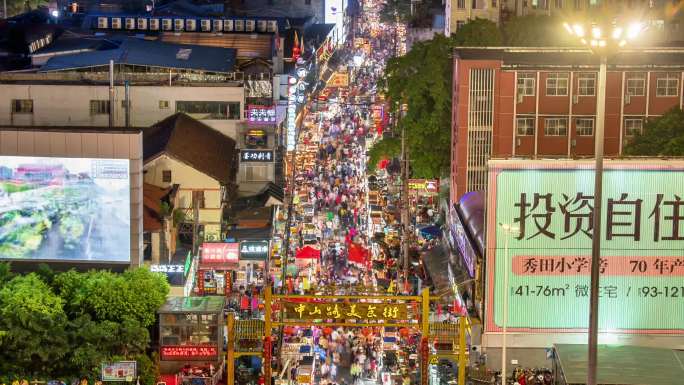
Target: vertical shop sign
pixel 200 282
pixel 268 349
pixel 228 285
pixel 424 359
pixel 291 113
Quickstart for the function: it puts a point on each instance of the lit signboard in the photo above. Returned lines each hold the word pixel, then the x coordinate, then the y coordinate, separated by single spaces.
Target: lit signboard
pixel 121 371
pixel 219 253
pixel 261 114
pixel 549 258
pixel 247 155
pixel 253 250
pixel 460 242
pixel 291 114
pixel 179 353
pixel 167 268
pixel 64 209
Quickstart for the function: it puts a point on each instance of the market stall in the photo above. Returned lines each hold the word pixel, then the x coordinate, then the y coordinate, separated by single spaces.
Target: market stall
pixel 218 261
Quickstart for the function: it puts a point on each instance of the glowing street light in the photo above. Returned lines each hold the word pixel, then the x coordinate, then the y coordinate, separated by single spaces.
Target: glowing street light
pixel 602 45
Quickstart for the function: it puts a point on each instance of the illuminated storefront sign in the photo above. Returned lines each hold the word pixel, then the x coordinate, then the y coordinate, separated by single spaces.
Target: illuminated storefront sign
pixel 167 268
pixel 188 352
pixel 342 311
pixel 423 186
pixel 256 155
pixel 254 250
pixel 549 258
pixel 459 241
pixel 219 253
pixel 291 114
pixel 261 114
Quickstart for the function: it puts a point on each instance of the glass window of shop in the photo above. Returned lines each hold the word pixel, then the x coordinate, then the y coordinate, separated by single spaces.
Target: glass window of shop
pixel 189 329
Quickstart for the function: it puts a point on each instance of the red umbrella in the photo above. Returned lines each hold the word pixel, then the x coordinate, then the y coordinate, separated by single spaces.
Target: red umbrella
pixel 358 253
pixel 308 252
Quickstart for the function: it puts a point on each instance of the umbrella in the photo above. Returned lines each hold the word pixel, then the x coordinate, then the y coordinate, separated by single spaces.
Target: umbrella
pixel 308 252
pixel 431 232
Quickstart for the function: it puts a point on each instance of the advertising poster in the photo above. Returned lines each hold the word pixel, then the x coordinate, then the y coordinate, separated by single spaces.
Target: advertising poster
pixel 122 371
pixel 64 209
pixel 549 256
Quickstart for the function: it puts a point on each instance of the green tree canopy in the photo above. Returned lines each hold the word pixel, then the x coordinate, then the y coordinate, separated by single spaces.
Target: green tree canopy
pixel 478 33
pixel 386 148
pixel 537 31
pixel 662 136
pixel 64 325
pixel 16 7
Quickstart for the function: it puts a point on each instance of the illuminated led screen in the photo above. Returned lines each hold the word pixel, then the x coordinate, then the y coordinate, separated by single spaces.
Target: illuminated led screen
pixel 64 209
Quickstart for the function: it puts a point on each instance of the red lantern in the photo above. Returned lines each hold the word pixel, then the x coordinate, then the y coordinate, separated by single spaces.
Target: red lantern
pixel 365 332
pixel 289 330
pixel 327 331
pixel 404 332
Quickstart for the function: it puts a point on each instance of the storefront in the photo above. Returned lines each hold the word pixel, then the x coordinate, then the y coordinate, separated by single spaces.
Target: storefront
pixel 218 263
pixel 191 329
pixel 252 263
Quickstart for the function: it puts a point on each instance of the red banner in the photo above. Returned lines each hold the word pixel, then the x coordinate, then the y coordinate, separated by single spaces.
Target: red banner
pixel 268 348
pixel 424 360
pixel 219 253
pixel 180 353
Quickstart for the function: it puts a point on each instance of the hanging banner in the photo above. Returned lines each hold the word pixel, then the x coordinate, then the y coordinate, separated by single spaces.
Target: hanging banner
pixel 338 311
pixel 548 257
pixel 121 371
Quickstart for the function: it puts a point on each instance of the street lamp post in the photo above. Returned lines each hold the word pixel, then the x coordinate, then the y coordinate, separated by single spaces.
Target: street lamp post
pixel 600 45
pixel 508 230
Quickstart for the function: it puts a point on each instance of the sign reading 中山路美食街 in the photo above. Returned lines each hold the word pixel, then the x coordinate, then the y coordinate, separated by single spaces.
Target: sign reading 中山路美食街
pixel 345 311
pixel 549 259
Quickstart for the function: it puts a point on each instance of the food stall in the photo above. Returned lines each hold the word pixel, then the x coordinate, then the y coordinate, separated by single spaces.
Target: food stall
pixel 252 263
pixel 191 329
pixel 218 261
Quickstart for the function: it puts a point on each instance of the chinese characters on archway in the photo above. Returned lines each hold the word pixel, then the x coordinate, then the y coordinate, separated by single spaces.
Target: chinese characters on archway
pixel 536 214
pixel 346 311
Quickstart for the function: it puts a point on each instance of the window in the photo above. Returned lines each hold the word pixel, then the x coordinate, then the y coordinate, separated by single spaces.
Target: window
pixel 584 126
pixel 559 4
pixel 210 110
pixel 636 84
pixel 493 3
pixel 557 84
pixel 667 85
pixel 163 104
pixel 587 84
pixel 633 126
pixel 166 176
pixel 198 199
pixel 525 126
pixel 556 127
pixel 460 4
pixel 99 107
pixel 526 84
pixel 578 4
pixel 460 24
pixel 256 173
pixel 22 106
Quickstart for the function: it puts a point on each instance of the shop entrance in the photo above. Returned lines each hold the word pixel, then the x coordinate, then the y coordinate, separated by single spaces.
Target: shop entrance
pixel 356 311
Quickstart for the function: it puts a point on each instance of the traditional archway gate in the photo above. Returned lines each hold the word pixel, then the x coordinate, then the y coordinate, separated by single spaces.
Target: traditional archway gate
pixel 366 310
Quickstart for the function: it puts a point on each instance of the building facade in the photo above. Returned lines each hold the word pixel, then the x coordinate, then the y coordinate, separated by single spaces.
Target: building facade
pixel 458 12
pixel 541 103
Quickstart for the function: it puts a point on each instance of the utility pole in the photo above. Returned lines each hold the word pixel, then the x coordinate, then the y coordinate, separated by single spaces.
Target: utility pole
pixel 111 93
pixel 195 226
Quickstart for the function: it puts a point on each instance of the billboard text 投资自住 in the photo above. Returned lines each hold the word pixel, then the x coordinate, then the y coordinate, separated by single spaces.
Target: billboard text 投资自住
pixel 64 209
pixel 549 256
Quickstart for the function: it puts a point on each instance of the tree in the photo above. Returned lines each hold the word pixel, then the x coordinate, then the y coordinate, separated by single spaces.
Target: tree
pixel 16 7
pixel 478 33
pixel 662 136
pixel 537 31
pixel 421 80
pixel 385 148
pixel 396 11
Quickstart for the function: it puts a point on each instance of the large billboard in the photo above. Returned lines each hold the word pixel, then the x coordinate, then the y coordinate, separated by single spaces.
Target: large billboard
pixel 549 257
pixel 64 209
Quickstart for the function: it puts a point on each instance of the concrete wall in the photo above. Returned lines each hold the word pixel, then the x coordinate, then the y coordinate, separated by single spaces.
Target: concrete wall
pixel 104 145
pixel 189 180
pixel 69 105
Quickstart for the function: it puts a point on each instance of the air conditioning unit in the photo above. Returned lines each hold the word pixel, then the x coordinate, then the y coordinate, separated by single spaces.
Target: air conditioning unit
pixel 261 26
pixel 116 22
pixel 272 26
pixel 167 24
pixel 228 25
pixel 628 99
pixel 154 24
pixel 102 23
pixel 130 23
pixel 218 25
pixel 142 23
pixel 178 24
pixel 190 25
pixel 575 99
pixel 250 25
pixel 520 98
pixel 239 25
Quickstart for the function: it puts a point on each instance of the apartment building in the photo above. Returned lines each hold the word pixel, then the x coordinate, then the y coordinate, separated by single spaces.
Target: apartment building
pixel 458 12
pixel 541 103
